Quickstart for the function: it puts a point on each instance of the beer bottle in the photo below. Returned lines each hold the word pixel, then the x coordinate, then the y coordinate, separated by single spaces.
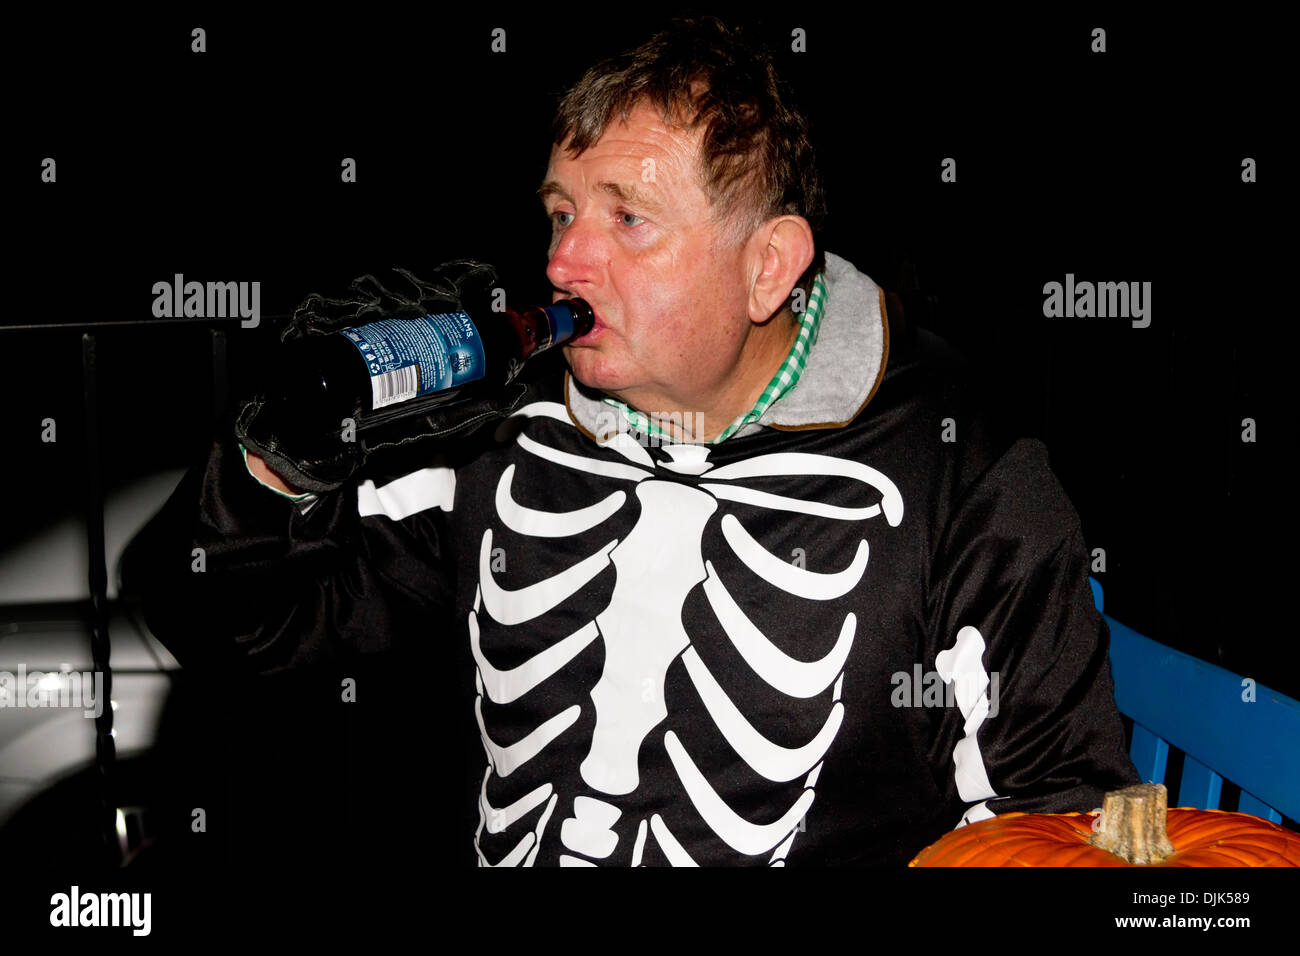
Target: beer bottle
pixel 406 365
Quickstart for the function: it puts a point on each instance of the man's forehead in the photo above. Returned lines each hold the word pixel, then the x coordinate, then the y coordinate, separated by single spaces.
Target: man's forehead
pixel 647 125
pixel 630 161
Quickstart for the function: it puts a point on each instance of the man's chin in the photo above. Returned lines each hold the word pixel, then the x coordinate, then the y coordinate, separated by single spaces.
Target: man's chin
pixel 591 374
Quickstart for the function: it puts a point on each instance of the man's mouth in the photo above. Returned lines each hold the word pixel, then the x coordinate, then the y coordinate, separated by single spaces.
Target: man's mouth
pixel 597 330
pixel 598 327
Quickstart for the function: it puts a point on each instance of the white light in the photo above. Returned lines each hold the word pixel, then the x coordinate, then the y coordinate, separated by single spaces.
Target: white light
pixel 114 704
pixel 48 682
pixel 121 824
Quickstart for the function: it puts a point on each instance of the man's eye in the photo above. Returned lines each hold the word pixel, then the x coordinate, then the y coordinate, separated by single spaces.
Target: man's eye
pixel 557 218
pixel 625 216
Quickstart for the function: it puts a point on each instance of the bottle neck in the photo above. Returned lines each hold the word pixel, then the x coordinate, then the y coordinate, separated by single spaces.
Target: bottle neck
pixel 544 327
pixel 531 329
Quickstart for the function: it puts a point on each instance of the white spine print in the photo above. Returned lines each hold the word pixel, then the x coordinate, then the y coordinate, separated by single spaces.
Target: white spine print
pixel 642 634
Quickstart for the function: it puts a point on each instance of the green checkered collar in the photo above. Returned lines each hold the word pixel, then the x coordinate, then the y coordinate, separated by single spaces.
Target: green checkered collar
pixel 786 377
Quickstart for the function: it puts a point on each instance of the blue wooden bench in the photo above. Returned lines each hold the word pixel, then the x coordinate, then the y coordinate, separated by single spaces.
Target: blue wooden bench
pixel 1176 700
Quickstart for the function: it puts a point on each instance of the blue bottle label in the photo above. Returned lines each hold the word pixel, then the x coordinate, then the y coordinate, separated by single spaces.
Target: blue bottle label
pixel 408 358
pixel 560 320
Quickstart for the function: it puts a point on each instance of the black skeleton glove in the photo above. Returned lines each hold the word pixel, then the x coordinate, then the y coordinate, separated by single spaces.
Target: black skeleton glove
pixel 319 461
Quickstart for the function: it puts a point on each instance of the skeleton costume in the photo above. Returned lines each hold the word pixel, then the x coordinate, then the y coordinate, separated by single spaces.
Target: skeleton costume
pixel 847 628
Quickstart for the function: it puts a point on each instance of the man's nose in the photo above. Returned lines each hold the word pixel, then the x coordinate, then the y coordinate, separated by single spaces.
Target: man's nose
pixel 575 256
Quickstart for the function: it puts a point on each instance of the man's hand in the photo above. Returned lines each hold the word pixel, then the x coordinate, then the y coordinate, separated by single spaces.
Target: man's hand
pixel 284 439
pixel 258 467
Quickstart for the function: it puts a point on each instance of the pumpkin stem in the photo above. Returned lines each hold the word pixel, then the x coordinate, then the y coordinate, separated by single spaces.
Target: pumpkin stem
pixel 1133 824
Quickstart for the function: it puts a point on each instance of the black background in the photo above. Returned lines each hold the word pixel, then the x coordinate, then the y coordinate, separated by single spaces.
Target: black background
pixel 1121 166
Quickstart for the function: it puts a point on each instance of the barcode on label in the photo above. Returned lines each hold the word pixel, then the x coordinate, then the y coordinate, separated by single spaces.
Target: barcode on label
pixel 395 386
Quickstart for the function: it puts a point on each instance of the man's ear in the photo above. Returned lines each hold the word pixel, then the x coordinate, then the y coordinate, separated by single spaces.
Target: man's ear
pixel 782 248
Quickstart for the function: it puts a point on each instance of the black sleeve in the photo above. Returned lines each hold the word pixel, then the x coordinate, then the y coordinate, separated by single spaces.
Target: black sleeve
pixel 233 576
pixel 1015 631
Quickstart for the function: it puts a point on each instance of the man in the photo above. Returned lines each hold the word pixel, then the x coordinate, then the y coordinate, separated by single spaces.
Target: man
pixel 728 593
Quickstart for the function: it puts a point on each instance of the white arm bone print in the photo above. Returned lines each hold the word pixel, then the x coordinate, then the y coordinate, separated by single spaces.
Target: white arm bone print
pixel 642 633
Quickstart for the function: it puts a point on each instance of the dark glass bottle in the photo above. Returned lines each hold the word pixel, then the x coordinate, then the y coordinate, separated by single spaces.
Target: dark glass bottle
pixel 391 368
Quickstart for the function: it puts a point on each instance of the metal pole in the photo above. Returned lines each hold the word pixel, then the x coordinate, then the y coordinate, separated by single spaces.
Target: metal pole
pixel 220 396
pixel 105 754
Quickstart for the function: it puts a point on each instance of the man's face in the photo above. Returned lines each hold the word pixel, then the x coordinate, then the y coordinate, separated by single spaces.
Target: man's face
pixel 632 235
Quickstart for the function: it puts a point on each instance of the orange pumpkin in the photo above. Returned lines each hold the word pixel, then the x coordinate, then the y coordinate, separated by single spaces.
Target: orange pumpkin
pixel 1135 829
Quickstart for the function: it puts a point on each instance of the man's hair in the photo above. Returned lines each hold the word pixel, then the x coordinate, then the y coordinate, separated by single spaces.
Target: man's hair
pixel 756 153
